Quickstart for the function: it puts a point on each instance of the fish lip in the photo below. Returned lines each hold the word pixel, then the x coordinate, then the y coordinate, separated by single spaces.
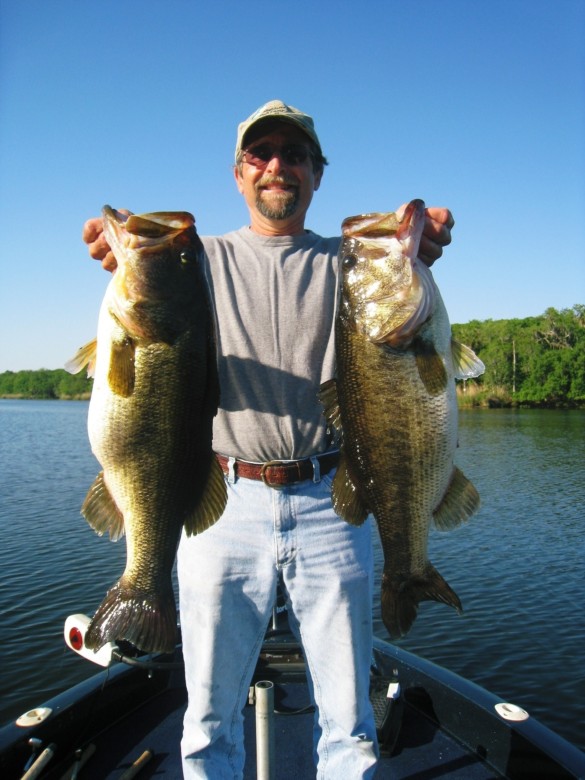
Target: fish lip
pixel 113 215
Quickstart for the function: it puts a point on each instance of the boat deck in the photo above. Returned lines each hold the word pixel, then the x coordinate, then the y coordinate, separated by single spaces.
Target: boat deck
pixel 422 751
pixel 440 726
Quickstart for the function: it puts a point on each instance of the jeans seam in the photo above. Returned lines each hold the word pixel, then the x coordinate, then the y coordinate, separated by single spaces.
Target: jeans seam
pixel 322 717
pixel 247 675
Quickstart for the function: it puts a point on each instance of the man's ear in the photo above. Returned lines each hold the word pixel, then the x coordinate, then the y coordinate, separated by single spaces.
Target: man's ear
pixel 238 178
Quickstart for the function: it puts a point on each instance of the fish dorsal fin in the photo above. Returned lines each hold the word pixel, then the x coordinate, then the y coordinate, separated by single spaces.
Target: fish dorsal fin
pixel 346 500
pixel 466 364
pixel 460 501
pixel 122 371
pixel 431 368
pixel 85 356
pixel 101 511
pixel 330 400
pixel 210 506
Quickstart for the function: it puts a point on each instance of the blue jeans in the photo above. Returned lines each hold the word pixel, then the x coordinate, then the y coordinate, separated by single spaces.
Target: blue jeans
pixel 227 582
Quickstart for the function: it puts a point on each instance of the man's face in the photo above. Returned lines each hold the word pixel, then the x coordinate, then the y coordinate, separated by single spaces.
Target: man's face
pixel 279 193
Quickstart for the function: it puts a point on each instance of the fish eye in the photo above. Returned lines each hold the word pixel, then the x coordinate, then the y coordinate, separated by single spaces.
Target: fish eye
pixel 186 257
pixel 350 260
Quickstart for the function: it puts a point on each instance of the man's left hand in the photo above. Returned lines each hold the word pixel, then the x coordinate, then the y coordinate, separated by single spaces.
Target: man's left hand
pixel 436 234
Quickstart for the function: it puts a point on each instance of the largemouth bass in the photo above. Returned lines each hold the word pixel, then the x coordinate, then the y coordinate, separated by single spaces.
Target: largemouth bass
pixel 154 397
pixel 393 403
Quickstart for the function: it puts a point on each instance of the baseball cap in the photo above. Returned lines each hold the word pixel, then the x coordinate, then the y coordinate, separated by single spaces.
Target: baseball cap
pixel 276 109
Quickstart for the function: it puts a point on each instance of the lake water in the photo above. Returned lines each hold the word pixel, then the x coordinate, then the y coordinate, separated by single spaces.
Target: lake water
pixel 518 565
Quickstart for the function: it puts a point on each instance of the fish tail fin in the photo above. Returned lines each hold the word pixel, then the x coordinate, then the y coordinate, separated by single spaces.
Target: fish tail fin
pixel 148 622
pixel 400 598
pixel 460 501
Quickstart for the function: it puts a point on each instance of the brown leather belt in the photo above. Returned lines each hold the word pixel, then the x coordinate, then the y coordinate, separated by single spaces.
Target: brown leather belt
pixel 278 473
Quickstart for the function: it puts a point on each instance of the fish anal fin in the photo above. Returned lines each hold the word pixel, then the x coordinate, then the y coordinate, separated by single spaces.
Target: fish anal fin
pixel 148 621
pixel 346 500
pixel 466 364
pixel 212 503
pixel 431 368
pixel 330 400
pixel 101 511
pixel 401 597
pixel 122 371
pixel 85 356
pixel 460 501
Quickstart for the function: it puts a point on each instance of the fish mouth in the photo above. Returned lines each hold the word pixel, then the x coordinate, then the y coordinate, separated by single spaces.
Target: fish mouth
pixel 141 231
pixel 151 250
pixel 407 221
pixel 395 294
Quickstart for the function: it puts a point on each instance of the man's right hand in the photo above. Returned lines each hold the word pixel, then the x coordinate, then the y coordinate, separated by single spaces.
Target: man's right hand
pixel 98 247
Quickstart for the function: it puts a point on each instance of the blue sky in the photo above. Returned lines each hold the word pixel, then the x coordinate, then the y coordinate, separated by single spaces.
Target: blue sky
pixel 479 106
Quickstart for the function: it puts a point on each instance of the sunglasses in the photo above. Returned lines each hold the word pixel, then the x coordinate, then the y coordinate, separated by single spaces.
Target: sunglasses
pixel 260 155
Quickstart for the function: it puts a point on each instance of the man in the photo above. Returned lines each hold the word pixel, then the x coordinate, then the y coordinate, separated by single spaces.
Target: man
pixel 274 287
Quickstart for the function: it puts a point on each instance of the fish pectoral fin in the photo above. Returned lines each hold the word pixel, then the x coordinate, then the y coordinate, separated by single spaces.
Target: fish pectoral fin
pixel 460 501
pixel 122 371
pixel 330 400
pixel 431 368
pixel 101 511
pixel 346 500
pixel 85 356
pixel 466 364
pixel 402 595
pixel 212 503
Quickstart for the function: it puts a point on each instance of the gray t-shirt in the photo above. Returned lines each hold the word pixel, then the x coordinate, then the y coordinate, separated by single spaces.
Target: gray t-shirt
pixel 275 300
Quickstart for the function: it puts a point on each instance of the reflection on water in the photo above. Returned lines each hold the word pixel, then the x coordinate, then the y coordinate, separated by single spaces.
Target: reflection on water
pixel 517 565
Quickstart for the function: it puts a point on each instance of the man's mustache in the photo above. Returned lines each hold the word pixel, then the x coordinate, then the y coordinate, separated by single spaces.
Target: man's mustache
pixel 283 180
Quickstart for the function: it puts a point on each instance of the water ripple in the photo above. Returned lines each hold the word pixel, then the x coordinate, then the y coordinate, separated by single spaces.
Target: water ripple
pixel 517 565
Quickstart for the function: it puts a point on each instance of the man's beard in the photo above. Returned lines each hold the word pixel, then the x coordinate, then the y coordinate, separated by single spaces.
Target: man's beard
pixel 282 205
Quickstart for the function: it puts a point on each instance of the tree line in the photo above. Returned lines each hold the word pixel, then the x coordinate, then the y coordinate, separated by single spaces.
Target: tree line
pixel 536 361
pixel 45 383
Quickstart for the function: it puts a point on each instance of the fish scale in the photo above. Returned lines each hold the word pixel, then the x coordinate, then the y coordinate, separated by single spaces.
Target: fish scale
pixel 150 419
pixel 393 404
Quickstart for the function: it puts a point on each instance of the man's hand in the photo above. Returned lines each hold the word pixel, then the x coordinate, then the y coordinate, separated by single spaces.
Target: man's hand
pixel 436 234
pixel 98 247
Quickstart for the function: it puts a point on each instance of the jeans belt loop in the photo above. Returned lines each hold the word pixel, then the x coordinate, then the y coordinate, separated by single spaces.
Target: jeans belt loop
pixel 231 470
pixel 316 468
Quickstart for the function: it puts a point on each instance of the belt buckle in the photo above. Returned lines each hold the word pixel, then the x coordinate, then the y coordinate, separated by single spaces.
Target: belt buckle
pixel 264 477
